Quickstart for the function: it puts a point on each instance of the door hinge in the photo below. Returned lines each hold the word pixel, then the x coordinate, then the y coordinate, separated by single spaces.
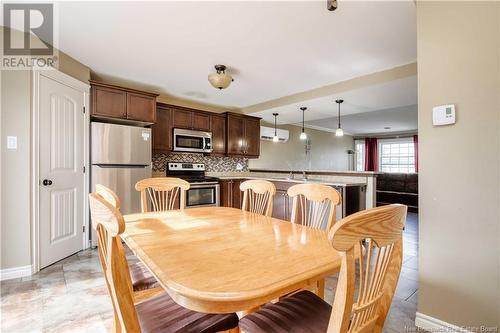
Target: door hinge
pixel 84 169
pixel 83 228
pixel 84 110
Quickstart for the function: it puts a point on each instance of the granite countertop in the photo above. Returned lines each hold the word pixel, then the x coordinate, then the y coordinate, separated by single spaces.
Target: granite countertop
pixel 288 180
pixel 321 172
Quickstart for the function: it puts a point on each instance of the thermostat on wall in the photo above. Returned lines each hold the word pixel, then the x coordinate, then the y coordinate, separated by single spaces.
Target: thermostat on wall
pixel 443 115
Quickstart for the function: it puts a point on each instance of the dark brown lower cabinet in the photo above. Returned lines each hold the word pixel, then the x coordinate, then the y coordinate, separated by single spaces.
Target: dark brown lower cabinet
pixel 281 206
pixel 230 194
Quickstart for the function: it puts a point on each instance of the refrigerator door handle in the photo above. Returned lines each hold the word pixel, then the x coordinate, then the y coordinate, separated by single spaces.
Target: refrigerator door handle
pixel 123 166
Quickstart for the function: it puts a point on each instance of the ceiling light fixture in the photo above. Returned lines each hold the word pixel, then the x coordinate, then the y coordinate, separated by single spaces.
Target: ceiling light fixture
pixel 339 131
pixel 303 135
pixel 221 79
pixel 275 137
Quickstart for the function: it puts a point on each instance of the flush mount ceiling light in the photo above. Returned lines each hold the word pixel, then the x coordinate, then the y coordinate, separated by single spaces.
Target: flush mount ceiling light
pixel 275 137
pixel 220 79
pixel 303 134
pixel 339 131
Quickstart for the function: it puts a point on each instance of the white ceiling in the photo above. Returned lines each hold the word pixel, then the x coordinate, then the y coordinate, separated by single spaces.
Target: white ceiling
pixel 399 119
pixel 273 49
pixel 388 95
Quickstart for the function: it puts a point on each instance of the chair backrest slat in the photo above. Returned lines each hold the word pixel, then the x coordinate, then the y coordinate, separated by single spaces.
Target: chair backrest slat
pixel 314 205
pixel 373 238
pixel 160 193
pixel 258 196
pixel 109 224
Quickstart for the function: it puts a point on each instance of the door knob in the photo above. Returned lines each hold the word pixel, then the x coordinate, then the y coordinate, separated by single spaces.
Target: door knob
pixel 47 182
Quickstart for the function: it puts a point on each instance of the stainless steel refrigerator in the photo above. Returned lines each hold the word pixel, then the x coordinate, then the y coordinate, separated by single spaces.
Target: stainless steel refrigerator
pixel 120 156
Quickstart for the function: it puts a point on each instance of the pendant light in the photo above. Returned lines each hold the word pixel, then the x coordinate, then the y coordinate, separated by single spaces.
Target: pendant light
pixel 275 137
pixel 339 131
pixel 303 135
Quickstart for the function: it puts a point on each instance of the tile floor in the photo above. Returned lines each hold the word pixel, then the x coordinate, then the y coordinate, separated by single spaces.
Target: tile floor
pixel 71 295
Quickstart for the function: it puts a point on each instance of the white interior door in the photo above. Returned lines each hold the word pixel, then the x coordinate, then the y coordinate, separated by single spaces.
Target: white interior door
pixel 61 162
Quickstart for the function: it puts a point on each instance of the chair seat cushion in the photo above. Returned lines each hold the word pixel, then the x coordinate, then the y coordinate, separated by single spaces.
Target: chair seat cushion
pixel 142 278
pixel 162 314
pixel 299 313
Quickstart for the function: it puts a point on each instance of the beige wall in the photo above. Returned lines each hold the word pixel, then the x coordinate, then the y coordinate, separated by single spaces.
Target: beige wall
pixel 458 62
pixel 15 172
pixel 15 119
pixel 327 152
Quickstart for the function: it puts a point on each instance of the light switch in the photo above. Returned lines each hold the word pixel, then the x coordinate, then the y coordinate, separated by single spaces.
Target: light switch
pixel 12 142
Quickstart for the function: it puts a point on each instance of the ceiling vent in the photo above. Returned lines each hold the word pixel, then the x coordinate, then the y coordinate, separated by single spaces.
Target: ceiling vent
pixel 267 134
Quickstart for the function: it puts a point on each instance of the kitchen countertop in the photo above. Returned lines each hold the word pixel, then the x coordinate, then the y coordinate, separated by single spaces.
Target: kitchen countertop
pixel 321 172
pixel 298 181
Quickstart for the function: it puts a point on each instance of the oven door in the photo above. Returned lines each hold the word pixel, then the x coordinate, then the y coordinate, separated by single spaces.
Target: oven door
pixel 191 141
pixel 202 195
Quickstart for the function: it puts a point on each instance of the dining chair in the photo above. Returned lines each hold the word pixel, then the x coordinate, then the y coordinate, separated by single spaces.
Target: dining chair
pixel 162 193
pixel 156 314
pixel 380 231
pixel 258 196
pixel 314 205
pixel 141 277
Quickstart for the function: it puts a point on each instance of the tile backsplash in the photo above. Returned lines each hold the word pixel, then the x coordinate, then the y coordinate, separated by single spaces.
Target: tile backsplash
pixel 212 163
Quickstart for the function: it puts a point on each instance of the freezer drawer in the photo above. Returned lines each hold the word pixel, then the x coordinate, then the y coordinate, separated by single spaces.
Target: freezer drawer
pixel 120 144
pixel 122 180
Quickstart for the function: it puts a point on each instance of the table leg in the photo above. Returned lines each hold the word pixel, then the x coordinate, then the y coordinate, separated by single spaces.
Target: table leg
pixel 242 314
pixel 321 288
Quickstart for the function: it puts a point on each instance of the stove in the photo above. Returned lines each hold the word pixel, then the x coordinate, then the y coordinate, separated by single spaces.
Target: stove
pixel 204 190
pixel 190 172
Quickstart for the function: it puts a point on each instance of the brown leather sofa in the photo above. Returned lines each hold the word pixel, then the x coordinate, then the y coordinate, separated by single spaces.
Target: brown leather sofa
pixel 398 188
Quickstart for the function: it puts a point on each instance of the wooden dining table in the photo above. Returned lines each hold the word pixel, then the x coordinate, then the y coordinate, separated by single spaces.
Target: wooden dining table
pixel 222 260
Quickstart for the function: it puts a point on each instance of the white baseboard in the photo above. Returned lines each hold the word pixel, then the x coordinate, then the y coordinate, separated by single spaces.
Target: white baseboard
pixel 15 272
pixel 431 324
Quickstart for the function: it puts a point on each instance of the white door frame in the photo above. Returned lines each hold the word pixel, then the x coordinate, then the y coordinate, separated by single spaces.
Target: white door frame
pixel 35 156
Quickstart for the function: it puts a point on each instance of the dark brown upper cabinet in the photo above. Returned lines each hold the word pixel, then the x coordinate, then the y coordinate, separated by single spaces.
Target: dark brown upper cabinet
pixel 191 119
pixel 182 119
pixel 235 134
pixel 201 122
pixel 243 135
pixel 115 102
pixel 162 129
pixel 218 129
pixel 141 107
pixel 252 137
pixel 108 102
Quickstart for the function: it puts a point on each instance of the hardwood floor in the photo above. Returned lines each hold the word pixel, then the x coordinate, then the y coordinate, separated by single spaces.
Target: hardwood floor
pixel 71 295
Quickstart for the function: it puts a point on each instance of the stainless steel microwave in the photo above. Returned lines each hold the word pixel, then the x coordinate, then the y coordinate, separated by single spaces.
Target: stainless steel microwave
pixel 192 141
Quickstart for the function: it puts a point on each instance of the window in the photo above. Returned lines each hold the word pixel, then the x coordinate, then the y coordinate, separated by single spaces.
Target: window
pixel 359 156
pixel 396 155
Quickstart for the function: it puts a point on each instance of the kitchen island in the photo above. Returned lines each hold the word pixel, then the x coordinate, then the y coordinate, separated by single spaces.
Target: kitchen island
pixel 357 189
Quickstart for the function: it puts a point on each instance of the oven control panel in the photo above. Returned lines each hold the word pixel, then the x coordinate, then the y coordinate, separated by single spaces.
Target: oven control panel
pixel 178 166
